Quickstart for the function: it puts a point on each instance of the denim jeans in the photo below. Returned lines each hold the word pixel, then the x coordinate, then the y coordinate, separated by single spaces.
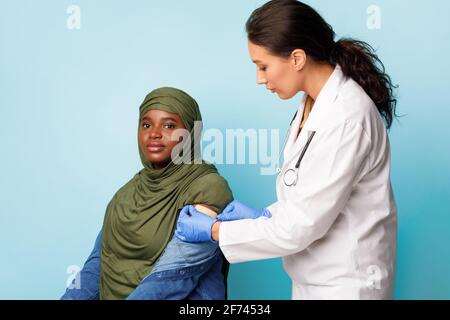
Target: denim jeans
pixel 184 271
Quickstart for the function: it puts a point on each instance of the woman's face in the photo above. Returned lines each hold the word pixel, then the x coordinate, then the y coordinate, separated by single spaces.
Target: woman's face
pixel 155 136
pixel 278 74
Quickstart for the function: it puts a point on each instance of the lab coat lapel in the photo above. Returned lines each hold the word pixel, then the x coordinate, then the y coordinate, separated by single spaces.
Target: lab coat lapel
pixel 319 117
pixel 294 130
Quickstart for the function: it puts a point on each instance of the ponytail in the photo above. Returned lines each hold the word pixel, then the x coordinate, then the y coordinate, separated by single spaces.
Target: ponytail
pixel 282 26
pixel 359 61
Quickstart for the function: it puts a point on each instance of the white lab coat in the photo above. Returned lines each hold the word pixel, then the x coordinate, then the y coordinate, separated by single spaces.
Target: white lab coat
pixel 337 228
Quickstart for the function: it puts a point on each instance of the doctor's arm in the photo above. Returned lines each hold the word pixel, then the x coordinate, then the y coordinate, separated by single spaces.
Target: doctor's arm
pixel 327 176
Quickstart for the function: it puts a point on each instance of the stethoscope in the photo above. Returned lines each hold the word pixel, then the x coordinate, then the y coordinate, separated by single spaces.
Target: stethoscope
pixel 290 176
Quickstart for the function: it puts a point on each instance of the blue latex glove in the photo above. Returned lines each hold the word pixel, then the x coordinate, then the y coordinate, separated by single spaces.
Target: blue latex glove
pixel 237 211
pixel 194 226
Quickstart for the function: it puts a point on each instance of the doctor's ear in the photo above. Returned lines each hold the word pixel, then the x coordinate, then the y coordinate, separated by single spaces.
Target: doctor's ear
pixel 298 59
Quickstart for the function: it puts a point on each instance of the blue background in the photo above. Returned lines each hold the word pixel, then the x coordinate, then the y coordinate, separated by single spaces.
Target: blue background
pixel 69 106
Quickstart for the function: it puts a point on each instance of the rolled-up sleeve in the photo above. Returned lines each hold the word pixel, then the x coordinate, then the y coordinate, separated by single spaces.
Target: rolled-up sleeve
pixel 337 158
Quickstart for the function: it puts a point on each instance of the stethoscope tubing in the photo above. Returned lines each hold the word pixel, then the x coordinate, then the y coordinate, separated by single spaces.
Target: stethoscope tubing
pixel 302 154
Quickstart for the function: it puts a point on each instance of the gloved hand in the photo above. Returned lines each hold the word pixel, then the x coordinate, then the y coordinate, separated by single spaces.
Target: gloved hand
pixel 237 211
pixel 194 226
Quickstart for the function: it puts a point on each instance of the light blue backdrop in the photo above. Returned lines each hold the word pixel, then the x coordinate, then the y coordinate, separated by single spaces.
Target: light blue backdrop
pixel 68 111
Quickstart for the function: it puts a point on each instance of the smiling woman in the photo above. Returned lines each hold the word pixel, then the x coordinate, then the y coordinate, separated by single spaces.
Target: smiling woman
pixel 155 136
pixel 136 255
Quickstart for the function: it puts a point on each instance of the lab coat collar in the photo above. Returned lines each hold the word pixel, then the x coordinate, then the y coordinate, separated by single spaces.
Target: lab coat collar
pixel 319 117
pixel 321 114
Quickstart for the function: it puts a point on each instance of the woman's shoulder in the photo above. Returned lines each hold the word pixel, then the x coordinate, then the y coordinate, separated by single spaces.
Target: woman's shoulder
pixel 211 180
pixel 354 105
pixel 211 189
pixel 354 100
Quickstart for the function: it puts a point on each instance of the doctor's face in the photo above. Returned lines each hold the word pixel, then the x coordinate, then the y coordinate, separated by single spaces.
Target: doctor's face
pixel 278 74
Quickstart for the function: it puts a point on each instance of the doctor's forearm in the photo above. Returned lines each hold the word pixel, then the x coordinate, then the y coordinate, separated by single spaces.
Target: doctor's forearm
pixel 215 231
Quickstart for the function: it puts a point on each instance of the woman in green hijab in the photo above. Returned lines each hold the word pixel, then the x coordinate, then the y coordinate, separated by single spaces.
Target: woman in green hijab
pixel 136 255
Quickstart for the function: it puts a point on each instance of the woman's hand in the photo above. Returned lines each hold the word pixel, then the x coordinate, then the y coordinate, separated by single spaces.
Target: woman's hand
pixel 237 211
pixel 194 226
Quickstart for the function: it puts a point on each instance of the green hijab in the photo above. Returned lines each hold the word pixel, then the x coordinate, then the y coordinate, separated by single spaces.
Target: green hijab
pixel 140 219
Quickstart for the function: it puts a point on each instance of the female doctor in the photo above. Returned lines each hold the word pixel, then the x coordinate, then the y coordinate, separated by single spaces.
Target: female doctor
pixel 335 220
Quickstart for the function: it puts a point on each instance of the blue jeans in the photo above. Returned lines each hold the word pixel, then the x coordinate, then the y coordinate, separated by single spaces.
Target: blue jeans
pixel 184 271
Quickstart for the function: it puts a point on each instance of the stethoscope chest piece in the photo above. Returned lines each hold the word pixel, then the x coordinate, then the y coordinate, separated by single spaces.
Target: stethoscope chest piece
pixel 290 177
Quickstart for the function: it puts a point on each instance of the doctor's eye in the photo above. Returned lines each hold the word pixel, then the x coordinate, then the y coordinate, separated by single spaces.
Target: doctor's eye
pixel 146 125
pixel 262 69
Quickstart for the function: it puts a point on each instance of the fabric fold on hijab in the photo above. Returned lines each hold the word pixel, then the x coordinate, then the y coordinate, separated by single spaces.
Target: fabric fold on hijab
pixel 141 217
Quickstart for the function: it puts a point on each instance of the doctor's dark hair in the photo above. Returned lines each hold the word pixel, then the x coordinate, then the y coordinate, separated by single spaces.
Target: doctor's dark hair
pixel 281 26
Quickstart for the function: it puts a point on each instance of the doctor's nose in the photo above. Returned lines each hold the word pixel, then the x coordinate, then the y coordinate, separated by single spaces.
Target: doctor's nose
pixel 263 81
pixel 260 79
